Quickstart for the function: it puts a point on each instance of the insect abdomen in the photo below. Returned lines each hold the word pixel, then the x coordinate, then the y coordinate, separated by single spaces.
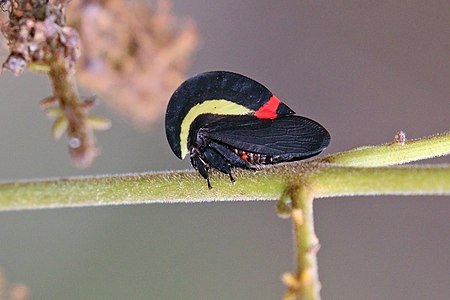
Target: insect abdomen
pixel 255 158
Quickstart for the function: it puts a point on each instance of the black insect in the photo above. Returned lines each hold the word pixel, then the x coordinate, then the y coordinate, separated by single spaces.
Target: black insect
pixel 224 120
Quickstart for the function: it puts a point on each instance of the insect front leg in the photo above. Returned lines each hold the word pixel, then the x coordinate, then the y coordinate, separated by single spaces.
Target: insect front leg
pixel 217 161
pixel 200 165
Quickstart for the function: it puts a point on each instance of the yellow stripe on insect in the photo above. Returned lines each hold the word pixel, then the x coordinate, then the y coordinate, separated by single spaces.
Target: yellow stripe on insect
pixel 216 106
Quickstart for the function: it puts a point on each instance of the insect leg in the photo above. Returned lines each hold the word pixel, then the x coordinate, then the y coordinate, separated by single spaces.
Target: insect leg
pixel 231 178
pixel 232 157
pixel 217 161
pixel 201 166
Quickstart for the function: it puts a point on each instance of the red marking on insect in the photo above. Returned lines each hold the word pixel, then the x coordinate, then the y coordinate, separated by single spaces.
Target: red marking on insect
pixel 244 156
pixel 269 110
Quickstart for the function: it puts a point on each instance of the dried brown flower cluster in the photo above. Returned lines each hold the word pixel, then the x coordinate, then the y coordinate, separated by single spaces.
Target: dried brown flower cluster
pixel 36 33
pixel 133 55
pixel 39 39
pixel 10 291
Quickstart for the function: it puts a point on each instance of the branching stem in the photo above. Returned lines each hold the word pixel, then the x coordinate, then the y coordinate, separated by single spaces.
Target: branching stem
pixel 305 284
pixel 363 171
pixel 81 138
pixel 393 153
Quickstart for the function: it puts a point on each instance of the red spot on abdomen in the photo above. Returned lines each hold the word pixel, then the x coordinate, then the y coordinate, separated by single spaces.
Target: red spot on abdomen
pixel 269 110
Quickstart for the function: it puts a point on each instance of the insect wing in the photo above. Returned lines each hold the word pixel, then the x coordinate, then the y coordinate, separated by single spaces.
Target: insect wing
pixel 288 138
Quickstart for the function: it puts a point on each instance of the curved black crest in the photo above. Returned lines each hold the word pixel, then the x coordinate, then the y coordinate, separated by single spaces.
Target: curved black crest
pixel 214 85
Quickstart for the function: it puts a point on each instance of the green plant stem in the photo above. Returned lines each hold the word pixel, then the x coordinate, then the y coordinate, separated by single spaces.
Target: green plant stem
pixel 168 187
pixel 268 184
pixel 354 172
pixel 332 181
pixel 306 285
pixel 393 153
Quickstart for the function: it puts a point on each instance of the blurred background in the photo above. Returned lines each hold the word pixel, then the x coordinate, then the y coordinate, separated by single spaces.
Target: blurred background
pixel 363 70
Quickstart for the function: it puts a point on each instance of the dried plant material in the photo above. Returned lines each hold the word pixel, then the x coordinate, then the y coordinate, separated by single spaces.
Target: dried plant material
pixel 9 291
pixel 134 56
pixel 39 40
pixel 36 33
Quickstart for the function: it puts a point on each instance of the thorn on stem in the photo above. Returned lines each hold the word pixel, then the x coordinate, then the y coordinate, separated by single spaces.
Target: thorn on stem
pixel 89 103
pixel 400 138
pixel 315 247
pixel 290 280
pixel 293 284
pixel 48 102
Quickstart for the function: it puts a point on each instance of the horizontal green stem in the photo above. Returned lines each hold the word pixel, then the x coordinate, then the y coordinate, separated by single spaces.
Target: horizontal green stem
pixel 393 153
pixel 333 181
pixel 267 184
pixel 336 175
pixel 168 187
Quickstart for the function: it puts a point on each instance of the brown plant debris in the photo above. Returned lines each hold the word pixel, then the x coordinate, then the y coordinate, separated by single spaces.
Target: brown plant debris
pixel 36 33
pixel 39 40
pixel 9 291
pixel 134 54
